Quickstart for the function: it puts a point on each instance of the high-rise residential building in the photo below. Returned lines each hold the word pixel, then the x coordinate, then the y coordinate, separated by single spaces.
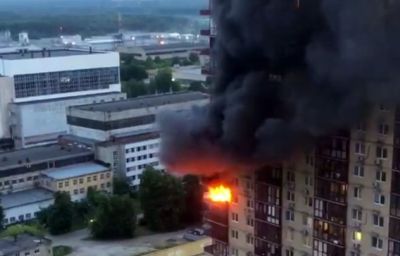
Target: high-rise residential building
pixel 211 32
pixel 340 199
pixel 38 86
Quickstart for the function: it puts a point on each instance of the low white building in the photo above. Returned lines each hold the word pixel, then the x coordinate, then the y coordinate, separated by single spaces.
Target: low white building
pixel 125 133
pixel 38 123
pixel 24 205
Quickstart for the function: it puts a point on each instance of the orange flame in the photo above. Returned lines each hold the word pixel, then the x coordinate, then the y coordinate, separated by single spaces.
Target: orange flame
pixel 219 194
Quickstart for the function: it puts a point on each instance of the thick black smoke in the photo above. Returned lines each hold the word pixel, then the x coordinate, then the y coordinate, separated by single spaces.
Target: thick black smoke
pixel 288 71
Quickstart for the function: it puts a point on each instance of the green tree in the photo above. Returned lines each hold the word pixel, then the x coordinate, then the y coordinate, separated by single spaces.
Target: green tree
pixel 16 230
pixel 162 200
pixel 115 218
pixel 194 58
pixel 133 71
pixel 121 186
pixel 163 82
pixel 2 216
pixel 134 88
pixel 193 199
pixel 61 214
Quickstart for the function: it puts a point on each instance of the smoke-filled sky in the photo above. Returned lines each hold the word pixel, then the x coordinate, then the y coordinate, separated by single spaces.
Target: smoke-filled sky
pixel 285 75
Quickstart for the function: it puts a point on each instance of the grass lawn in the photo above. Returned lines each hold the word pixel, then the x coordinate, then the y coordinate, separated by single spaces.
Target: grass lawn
pixel 61 250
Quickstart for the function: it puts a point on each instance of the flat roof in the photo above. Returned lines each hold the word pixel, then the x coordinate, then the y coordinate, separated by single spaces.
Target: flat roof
pixel 25 197
pixel 36 154
pixel 9 246
pixel 45 53
pixel 76 170
pixel 172 46
pixel 70 98
pixel 144 102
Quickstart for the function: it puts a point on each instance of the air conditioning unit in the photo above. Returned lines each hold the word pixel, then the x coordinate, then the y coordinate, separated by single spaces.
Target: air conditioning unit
pixel 357 247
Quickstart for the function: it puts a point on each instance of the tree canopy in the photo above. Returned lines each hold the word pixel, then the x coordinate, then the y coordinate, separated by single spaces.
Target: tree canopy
pixel 60 215
pixel 115 218
pixel 193 199
pixel 162 200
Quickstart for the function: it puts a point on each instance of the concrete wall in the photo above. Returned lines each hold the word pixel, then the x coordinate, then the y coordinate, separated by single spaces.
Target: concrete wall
pixel 18 182
pixel 6 96
pixel 40 121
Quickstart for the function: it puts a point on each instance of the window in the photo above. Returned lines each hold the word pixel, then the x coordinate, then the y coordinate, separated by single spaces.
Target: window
pixel 126 151
pixel 28 179
pixel 82 190
pixel 357 236
pixel 234 252
pixel 94 177
pixel 290 176
pixel 360 148
pixel 102 185
pixel 75 182
pixel 234 234
pixel 66 183
pixel 250 203
pixel 102 176
pixel 357 192
pixel 250 221
pixel 377 242
pixel 81 181
pixel 290 234
pixel 379 198
pixel 289 252
pixel 75 191
pixel 21 180
pixel 377 220
pixel 356 214
pixel 12 219
pixel 361 127
pixel 381 152
pixel 380 176
pixel 108 184
pixel 358 171
pixel 108 174
pixel 28 216
pixel 308 180
pixel 290 196
pixel 308 201
pixel 235 217
pixel 88 179
pixel 383 129
pixel 60 184
pixel 249 239
pixel 289 215
pixel 235 199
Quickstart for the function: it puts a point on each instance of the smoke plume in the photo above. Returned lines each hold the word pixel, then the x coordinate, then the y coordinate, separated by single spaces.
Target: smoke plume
pixel 288 71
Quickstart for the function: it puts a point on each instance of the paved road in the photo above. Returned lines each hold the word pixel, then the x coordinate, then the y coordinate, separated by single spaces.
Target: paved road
pixel 84 247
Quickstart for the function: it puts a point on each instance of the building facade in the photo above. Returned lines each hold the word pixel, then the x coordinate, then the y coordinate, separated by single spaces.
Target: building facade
pixel 126 132
pixel 29 177
pixel 43 83
pixel 77 179
pixel 339 199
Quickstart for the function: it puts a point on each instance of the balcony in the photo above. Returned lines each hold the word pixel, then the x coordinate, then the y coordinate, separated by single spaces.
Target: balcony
pixel 263 248
pixel 205 12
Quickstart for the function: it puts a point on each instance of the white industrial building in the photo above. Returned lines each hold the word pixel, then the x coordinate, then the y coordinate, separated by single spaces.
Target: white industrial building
pixel 125 133
pixel 39 86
